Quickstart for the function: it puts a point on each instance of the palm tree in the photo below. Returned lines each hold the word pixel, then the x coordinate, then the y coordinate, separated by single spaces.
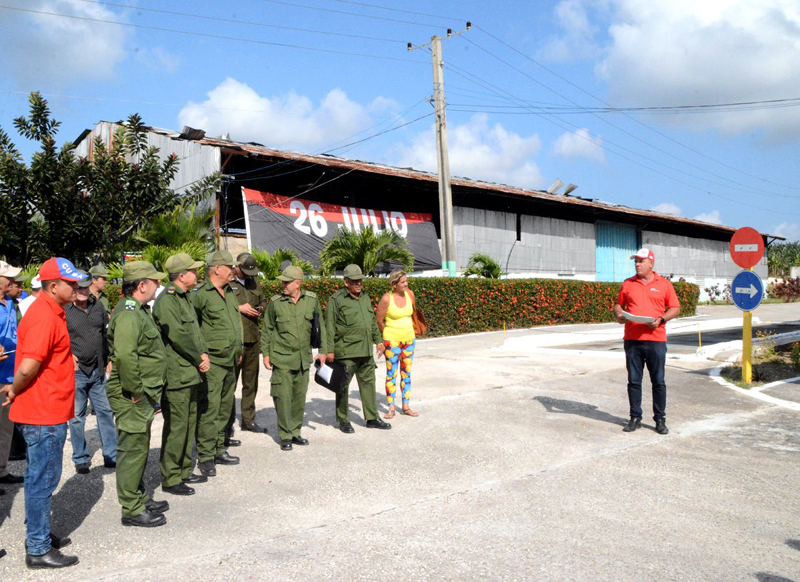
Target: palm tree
pixel 367 249
pixel 269 264
pixel 482 266
pixel 180 226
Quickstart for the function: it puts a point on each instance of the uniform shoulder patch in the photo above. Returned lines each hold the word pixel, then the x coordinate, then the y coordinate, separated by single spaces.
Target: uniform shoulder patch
pixel 170 291
pixel 275 297
pixel 311 294
pixel 130 305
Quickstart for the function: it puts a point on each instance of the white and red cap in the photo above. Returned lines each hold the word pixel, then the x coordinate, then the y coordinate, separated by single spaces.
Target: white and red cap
pixel 644 254
pixel 36 283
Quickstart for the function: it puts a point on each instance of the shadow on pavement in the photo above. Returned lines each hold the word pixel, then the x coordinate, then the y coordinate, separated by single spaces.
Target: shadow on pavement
pixel 767 577
pixel 75 499
pixel 794 544
pixel 558 406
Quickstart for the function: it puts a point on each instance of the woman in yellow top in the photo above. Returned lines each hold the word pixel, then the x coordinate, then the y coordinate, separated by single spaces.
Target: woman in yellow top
pixel 394 320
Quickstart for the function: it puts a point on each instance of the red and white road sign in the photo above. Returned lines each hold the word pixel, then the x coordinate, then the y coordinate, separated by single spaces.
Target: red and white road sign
pixel 747 247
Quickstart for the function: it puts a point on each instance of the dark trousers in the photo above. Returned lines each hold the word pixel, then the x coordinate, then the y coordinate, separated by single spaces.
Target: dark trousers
pixel 639 354
pixel 251 360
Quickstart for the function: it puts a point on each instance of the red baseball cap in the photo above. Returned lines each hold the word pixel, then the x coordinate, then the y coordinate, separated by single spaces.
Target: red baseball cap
pixel 60 268
pixel 644 254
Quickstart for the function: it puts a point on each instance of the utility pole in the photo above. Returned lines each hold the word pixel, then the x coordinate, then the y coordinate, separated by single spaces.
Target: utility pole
pixel 449 263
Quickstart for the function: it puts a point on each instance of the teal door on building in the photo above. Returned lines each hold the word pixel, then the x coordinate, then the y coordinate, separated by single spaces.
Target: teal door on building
pixel 615 245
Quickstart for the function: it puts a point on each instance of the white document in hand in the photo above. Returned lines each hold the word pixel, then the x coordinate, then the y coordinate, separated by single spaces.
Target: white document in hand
pixel 638 318
pixel 325 372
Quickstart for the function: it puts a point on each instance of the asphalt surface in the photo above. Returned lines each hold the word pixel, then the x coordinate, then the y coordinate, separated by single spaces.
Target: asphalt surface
pixel 516 469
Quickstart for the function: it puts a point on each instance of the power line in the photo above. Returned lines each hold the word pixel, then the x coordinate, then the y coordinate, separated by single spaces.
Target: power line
pixel 499 91
pixel 358 14
pixel 215 36
pixel 654 130
pixel 245 22
pixel 739 185
pixel 400 11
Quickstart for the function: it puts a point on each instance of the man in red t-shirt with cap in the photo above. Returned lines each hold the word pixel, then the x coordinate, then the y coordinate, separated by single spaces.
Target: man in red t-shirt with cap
pixel 650 295
pixel 42 399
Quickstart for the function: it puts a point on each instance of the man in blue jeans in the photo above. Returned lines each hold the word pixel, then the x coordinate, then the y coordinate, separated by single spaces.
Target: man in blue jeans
pixel 42 401
pixel 86 321
pixel 648 295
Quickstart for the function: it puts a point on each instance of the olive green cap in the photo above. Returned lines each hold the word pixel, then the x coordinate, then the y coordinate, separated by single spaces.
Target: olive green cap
pixel 181 262
pixel 99 270
pixel 248 264
pixel 291 273
pixel 85 282
pixel 220 257
pixel 353 272
pixel 136 270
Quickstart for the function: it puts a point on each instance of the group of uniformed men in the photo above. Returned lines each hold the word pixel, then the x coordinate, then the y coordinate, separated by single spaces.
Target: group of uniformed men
pixel 187 356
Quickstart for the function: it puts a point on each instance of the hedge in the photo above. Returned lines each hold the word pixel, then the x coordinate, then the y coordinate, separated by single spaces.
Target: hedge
pixel 459 305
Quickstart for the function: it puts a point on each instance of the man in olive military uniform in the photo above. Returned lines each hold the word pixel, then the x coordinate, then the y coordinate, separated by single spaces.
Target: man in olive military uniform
pixel 187 363
pixel 98 286
pixel 221 326
pixel 135 386
pixel 252 305
pixel 353 331
pixel 286 347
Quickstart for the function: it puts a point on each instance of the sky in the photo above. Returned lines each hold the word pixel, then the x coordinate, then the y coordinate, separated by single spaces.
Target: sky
pixel 528 88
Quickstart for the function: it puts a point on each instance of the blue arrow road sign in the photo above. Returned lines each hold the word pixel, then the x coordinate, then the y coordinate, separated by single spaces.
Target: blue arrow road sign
pixel 747 290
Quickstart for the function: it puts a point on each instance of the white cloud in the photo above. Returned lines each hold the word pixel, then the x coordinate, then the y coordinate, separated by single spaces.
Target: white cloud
pixel 38 48
pixel 578 40
pixel 580 144
pixel 287 121
pixel 712 217
pixel 668 208
pixel 158 59
pixel 789 230
pixel 478 150
pixel 676 52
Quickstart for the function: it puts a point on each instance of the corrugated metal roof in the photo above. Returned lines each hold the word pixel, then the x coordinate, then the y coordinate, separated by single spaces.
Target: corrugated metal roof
pixel 257 149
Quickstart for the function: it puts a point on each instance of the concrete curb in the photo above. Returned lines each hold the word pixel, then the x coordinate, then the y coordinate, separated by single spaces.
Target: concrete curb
pixel 715 375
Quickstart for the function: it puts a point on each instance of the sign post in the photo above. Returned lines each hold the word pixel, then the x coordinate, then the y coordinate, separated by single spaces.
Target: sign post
pixel 747 290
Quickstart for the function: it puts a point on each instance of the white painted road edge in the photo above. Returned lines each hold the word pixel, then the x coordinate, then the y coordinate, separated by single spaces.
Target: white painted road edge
pixel 715 375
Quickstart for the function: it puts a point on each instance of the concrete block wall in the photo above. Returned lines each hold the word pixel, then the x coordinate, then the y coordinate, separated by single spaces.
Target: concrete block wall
pixel 548 247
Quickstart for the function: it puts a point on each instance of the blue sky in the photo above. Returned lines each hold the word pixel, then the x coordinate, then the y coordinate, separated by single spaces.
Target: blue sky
pixel 517 86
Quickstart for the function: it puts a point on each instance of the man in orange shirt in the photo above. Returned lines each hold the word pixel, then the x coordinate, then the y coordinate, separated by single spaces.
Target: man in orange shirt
pixel 42 399
pixel 646 294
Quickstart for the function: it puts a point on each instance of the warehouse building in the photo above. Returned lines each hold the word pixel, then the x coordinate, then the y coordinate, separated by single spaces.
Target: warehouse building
pixel 273 198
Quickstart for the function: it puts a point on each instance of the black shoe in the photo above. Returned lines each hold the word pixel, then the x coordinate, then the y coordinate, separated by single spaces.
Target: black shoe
pixel 110 464
pixel 286 445
pixel 298 440
pixel 378 423
pixel 179 489
pixel 195 479
pixel 52 559
pixel 58 542
pixel 346 428
pixel 233 443
pixel 633 424
pixel 207 468
pixel 13 479
pixel 154 506
pixel 145 519
pixel 226 459
pixel 661 426
pixel 82 469
pixel 253 428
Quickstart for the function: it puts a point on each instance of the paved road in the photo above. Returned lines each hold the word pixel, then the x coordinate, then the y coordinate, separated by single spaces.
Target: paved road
pixel 516 469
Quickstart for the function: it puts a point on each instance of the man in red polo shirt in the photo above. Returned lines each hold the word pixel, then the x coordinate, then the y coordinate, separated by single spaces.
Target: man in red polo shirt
pixel 42 399
pixel 646 294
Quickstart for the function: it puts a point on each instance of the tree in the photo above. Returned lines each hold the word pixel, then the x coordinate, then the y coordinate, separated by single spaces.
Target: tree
pixel 269 265
pixel 366 248
pixel 781 257
pixel 482 266
pixel 179 227
pixel 84 209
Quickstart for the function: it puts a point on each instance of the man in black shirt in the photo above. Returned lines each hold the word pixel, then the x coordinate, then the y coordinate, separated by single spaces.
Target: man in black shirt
pixel 87 319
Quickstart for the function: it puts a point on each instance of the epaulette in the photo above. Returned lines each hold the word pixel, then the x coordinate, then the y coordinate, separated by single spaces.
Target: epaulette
pixel 311 294
pixel 275 297
pixel 130 305
pixel 170 291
